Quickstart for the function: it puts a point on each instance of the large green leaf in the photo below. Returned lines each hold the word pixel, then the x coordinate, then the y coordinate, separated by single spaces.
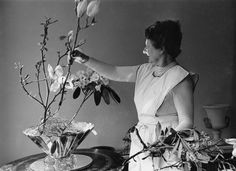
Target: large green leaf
pixel 114 95
pixel 76 93
pixel 53 148
pixel 171 138
pixel 90 87
pixel 97 97
pixel 63 140
pixel 105 94
pixel 185 133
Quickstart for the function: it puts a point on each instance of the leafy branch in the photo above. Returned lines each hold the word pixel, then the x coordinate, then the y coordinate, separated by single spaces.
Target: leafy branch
pixel 190 146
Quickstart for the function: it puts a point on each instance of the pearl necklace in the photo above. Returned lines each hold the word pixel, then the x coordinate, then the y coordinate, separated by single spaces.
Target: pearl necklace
pixel 159 71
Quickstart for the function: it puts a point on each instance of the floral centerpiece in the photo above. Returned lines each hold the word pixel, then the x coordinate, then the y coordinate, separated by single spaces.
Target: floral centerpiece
pixel 56 136
pixel 191 147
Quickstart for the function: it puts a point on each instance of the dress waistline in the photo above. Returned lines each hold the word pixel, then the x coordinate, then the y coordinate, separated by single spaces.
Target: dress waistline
pixel 145 119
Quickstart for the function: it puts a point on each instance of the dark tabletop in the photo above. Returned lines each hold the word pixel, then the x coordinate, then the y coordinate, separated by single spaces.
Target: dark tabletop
pixel 104 158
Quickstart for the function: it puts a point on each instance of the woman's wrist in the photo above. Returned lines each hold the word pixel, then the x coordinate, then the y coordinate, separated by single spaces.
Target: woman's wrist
pixel 84 59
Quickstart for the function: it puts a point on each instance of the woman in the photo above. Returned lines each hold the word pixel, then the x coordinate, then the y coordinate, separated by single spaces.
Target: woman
pixel 163 90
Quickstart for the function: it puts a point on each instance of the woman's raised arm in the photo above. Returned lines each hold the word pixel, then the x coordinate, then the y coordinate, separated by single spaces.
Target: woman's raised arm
pixel 116 73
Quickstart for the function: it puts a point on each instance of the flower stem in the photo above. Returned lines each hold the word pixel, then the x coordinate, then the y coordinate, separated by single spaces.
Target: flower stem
pixel 43 49
pixel 77 33
pixel 84 100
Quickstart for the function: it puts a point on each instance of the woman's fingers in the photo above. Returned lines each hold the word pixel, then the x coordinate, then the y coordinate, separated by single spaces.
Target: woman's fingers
pixel 78 59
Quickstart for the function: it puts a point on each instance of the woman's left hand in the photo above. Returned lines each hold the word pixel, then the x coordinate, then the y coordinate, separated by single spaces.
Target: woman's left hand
pixel 79 56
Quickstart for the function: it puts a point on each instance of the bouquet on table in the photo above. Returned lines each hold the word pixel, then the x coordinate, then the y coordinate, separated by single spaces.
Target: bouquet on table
pixel 56 136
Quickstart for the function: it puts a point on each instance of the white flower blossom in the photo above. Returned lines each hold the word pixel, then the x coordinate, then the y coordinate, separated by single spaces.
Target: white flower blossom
pixel 89 76
pixel 94 77
pixel 56 76
pixel 81 7
pixel 82 80
pixel 69 82
pixel 98 87
pixel 89 71
pixel 93 8
pixel 70 36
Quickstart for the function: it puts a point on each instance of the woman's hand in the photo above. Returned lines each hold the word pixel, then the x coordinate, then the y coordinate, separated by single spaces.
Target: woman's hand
pixel 79 56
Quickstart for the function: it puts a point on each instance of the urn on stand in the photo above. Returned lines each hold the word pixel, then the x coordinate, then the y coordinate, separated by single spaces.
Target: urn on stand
pixel 217 119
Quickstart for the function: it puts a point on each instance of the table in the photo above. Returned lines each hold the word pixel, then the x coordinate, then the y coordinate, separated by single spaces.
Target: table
pixel 104 158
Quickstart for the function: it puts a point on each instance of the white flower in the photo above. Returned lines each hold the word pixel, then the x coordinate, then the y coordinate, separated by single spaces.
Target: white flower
pixel 81 75
pixel 56 76
pixel 89 71
pixel 93 8
pixel 69 82
pixel 98 87
pixel 81 7
pixel 82 80
pixel 94 77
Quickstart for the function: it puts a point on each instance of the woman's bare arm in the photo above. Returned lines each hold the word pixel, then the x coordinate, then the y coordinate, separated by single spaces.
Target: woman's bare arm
pixel 116 73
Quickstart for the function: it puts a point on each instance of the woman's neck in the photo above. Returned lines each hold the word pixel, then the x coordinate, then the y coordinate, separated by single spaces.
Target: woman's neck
pixel 164 61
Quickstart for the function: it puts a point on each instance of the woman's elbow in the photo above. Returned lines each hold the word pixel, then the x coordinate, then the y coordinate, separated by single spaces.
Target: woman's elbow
pixel 185 124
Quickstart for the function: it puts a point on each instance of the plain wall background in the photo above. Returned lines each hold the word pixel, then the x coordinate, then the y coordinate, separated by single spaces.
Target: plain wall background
pixel 118 38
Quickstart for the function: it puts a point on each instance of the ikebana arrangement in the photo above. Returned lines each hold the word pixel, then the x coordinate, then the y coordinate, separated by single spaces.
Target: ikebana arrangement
pixel 56 136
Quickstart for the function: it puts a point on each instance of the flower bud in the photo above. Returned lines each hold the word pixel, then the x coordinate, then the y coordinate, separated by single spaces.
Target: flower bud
pixel 93 8
pixel 81 7
pixel 70 36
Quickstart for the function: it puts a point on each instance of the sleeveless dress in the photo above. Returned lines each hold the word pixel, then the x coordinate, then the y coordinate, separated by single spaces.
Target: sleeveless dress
pixel 154 103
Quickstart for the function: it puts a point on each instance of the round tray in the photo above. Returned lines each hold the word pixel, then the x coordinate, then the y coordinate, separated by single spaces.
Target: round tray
pixel 102 160
pixel 81 161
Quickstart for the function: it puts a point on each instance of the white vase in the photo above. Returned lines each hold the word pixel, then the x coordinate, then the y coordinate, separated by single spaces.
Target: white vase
pixel 217 118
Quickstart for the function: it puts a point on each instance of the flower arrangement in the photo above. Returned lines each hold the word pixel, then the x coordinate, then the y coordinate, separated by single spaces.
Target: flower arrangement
pixel 56 82
pixel 56 136
pixel 191 147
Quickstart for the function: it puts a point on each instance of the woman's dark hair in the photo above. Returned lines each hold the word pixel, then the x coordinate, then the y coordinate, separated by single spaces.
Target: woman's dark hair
pixel 166 35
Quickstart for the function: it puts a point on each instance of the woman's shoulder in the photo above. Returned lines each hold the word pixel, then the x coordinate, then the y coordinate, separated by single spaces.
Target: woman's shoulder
pixel 191 77
pixel 178 71
pixel 186 80
pixel 181 68
pixel 144 67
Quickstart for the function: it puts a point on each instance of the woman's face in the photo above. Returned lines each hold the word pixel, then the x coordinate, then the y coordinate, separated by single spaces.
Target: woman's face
pixel 153 54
